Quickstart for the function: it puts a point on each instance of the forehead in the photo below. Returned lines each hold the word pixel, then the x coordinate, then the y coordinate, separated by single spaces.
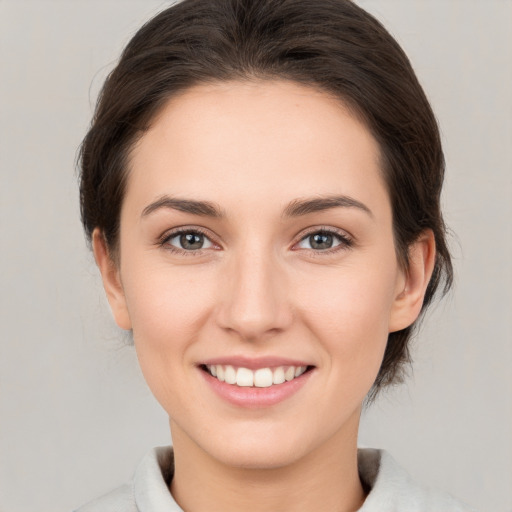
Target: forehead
pixel 271 141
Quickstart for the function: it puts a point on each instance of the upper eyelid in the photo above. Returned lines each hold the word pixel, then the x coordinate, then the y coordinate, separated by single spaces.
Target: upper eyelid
pixel 163 241
pixel 171 233
pixel 346 240
pixel 216 240
pixel 342 233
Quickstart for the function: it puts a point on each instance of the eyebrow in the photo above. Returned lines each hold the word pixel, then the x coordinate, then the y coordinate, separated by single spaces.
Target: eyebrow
pixel 301 207
pixel 296 208
pixel 202 208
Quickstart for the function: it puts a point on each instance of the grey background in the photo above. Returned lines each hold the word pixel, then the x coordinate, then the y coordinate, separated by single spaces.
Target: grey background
pixel 75 414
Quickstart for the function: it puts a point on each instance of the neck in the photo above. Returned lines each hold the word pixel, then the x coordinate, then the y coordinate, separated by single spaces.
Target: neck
pixel 325 479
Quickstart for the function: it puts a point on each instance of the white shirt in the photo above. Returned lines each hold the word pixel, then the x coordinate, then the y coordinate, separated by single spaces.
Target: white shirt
pixel 392 490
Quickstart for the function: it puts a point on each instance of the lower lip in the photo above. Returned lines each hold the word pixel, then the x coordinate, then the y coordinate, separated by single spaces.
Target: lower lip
pixel 253 397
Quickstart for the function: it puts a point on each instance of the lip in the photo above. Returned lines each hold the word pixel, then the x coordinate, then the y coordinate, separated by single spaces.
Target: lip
pixel 254 397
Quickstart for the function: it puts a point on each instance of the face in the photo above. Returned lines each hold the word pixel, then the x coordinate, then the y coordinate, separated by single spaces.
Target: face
pixel 258 269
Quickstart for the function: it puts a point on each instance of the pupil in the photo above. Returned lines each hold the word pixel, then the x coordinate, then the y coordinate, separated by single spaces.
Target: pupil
pixel 321 241
pixel 191 241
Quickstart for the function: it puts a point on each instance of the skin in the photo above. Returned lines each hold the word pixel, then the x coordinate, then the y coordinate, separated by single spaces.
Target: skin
pixel 259 288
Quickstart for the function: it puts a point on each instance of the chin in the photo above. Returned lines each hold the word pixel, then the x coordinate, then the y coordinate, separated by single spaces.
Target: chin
pixel 259 456
pixel 266 445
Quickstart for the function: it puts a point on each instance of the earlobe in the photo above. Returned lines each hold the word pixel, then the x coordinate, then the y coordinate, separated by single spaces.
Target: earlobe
pixel 409 299
pixel 111 280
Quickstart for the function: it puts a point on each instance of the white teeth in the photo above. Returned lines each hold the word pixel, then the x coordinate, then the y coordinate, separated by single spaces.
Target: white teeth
pixel 244 377
pixel 289 374
pixel 278 377
pixel 299 371
pixel 261 378
pixel 230 375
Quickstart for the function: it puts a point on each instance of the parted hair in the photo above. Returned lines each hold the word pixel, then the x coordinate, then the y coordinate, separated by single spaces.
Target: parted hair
pixel 331 45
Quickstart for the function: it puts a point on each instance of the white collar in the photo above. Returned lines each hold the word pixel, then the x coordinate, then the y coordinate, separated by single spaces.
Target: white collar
pixel 392 490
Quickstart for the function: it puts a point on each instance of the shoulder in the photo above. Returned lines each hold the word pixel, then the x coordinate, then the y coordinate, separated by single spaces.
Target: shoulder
pixel 148 491
pixel 119 500
pixel 392 489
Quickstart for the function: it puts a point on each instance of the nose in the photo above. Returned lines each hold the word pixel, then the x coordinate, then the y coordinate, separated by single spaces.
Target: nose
pixel 254 301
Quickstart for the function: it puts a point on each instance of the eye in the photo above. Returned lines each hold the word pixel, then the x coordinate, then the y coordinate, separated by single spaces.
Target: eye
pixel 323 241
pixel 189 240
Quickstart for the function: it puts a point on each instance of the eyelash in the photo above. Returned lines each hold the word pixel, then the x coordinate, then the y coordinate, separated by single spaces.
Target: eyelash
pixel 169 235
pixel 345 241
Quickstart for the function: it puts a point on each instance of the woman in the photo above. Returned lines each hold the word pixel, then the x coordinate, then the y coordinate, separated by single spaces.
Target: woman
pixel 260 185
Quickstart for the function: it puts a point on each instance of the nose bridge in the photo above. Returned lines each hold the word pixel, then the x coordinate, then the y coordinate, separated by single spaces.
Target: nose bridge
pixel 255 300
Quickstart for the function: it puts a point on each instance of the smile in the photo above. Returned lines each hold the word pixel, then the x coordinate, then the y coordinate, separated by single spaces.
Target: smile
pixel 259 378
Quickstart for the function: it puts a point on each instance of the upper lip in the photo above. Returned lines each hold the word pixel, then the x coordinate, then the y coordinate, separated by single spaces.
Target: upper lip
pixel 253 363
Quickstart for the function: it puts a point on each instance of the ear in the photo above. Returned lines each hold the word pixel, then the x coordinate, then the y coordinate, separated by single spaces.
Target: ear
pixel 111 280
pixel 413 285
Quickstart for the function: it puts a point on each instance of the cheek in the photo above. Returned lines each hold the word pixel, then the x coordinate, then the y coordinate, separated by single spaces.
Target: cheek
pixel 161 299
pixel 167 309
pixel 349 312
pixel 349 300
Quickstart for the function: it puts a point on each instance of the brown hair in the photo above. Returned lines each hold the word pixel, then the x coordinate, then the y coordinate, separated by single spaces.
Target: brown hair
pixel 332 45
